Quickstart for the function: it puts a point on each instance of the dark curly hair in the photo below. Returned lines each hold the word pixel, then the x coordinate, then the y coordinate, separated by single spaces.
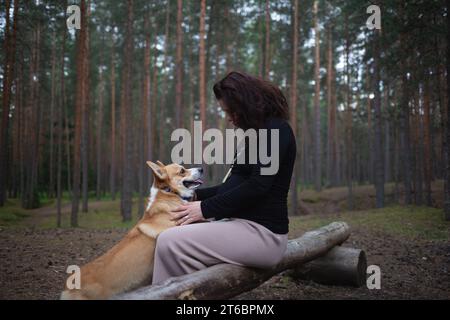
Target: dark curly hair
pixel 251 100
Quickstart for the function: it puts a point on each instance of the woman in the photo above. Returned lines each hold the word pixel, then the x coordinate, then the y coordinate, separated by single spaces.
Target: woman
pixel 249 209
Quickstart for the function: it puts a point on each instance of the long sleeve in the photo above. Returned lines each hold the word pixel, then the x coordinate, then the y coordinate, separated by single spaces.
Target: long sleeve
pixel 252 190
pixel 206 193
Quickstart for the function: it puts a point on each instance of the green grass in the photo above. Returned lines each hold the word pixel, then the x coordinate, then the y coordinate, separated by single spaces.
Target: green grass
pixel 11 213
pixel 66 196
pixel 105 215
pixel 411 222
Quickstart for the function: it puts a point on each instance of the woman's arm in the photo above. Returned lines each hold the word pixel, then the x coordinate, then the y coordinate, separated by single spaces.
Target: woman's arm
pixel 253 189
pixel 205 193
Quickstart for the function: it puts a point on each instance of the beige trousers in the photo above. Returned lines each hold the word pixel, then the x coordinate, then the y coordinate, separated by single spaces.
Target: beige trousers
pixel 185 249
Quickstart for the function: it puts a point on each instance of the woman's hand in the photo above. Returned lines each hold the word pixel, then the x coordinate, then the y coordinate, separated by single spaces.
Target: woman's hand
pixel 188 213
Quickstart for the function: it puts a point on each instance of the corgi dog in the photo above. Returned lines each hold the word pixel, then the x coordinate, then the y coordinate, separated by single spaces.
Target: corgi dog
pixel 129 264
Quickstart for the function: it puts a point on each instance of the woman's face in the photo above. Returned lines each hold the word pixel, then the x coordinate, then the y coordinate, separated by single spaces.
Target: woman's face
pixel 229 116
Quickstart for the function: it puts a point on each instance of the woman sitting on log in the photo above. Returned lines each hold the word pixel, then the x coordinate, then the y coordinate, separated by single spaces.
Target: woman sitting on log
pixel 247 213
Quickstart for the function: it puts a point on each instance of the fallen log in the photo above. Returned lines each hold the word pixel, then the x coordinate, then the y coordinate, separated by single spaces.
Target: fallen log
pixel 340 266
pixel 224 281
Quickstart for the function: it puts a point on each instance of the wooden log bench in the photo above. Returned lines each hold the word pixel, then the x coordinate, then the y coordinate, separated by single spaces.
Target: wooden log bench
pixel 315 255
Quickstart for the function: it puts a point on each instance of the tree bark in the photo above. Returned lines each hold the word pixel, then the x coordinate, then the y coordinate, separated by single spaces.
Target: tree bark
pixel 100 129
pixel 378 150
pixel 405 152
pixel 147 136
pixel 419 148
pixel 179 68
pixel 32 123
pixel 8 73
pixel 387 135
pixel 79 107
pixel 224 281
pixel 163 104
pixel 112 174
pixel 427 142
pixel 126 116
pixel 152 142
pixel 85 124
pixel 267 43
pixel 331 144
pixel 68 149
pixel 293 92
pixel 447 127
pixel 202 64
pixel 261 38
pixel 349 122
pixel 51 188
pixel 61 109
pixel 340 266
pixel 317 125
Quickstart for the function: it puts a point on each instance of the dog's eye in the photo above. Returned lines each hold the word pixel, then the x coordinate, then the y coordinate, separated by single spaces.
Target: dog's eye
pixel 182 171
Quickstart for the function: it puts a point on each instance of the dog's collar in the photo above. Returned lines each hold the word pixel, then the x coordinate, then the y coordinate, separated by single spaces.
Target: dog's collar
pixel 167 189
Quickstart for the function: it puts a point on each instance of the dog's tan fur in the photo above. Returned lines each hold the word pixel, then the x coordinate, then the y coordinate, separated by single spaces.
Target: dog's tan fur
pixel 129 264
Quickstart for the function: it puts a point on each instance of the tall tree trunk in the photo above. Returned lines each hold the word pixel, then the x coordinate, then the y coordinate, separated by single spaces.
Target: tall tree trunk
pixel 100 129
pixel 209 44
pixel 378 150
pixel 8 73
pixel 79 108
pixel 141 130
pixel 37 123
pixel 32 122
pixel 126 115
pixel 179 67
pixel 16 141
pixel 349 122
pixel 267 43
pixel 418 148
pixel 427 142
pixel 317 138
pixel 332 133
pixel 22 132
pixel 387 135
pixel 396 160
pixel 61 108
pixel 68 145
pixel 229 41
pixel 261 38
pixel 336 133
pixel 303 145
pixel 370 145
pixel 202 64
pixel 163 104
pixel 112 174
pixel 85 130
pixel 152 143
pixel 405 152
pixel 16 137
pixel 146 134
pixel 51 188
pixel 293 92
pixel 447 128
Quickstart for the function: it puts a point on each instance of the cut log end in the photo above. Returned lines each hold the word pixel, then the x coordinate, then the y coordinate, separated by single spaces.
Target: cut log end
pixel 340 266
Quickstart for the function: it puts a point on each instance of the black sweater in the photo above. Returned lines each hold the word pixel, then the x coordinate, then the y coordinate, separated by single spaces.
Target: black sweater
pixel 248 194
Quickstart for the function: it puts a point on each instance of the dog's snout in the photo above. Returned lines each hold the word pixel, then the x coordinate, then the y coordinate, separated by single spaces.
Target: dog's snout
pixel 200 170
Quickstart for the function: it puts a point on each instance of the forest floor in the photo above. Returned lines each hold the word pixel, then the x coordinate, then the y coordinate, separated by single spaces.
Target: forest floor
pixel 410 244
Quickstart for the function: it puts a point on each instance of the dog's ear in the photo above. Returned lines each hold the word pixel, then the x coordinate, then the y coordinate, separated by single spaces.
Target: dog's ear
pixel 157 170
pixel 159 163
